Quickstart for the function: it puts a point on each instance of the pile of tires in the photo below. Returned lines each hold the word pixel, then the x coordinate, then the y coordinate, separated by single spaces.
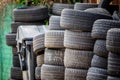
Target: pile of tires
pixel 113 46
pixel 23 16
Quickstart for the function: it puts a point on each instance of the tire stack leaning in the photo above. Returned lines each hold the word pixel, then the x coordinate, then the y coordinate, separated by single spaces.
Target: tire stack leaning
pixel 23 16
pixel 78 41
pixel 53 67
pixel 113 46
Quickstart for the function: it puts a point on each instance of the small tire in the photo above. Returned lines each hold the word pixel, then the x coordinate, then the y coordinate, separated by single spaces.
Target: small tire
pixel 11 39
pixel 40 60
pixel 38 73
pixel 14 51
pixel 16 62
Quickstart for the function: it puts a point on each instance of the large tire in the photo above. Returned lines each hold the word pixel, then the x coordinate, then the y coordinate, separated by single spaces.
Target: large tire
pixel 99 62
pixel 113 78
pixel 30 14
pixel 38 43
pixel 58 7
pixel 54 39
pixel 96 74
pixel 49 72
pixel 11 39
pixel 78 40
pixel 40 60
pixel 100 48
pixel 54 56
pixel 16 62
pixel 54 23
pixel 75 74
pixel 38 73
pixel 16 73
pixel 114 64
pixel 78 59
pixel 101 27
pixel 84 6
pixel 15 25
pixel 113 40
pixel 77 19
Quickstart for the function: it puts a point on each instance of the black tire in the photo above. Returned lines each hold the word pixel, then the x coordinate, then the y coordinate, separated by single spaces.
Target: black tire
pixel 73 19
pixel 58 7
pixel 14 51
pixel 113 78
pixel 30 14
pixel 11 39
pixel 99 62
pixel 38 73
pixel 114 65
pixel 101 27
pixel 96 74
pixel 50 72
pixel 16 62
pixel 84 6
pixel 16 73
pixel 78 59
pixel 54 56
pixel 54 39
pixel 78 40
pixel 75 74
pixel 54 23
pixel 100 48
pixel 113 40
pixel 15 25
pixel 40 60
pixel 38 43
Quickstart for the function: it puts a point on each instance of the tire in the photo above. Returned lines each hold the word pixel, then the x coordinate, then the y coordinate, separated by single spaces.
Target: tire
pixel 40 60
pixel 75 74
pixel 54 39
pixel 30 14
pixel 16 62
pixel 114 65
pixel 96 74
pixel 54 23
pixel 73 19
pixel 84 6
pixel 38 73
pixel 113 40
pixel 78 40
pixel 50 72
pixel 100 48
pixel 101 27
pixel 11 39
pixel 15 25
pixel 14 51
pixel 16 73
pixel 38 43
pixel 99 62
pixel 113 78
pixel 78 59
pixel 58 7
pixel 54 57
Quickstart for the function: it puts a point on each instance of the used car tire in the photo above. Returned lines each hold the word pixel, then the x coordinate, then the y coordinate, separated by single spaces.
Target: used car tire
pixel 113 78
pixel 40 60
pixel 38 73
pixel 14 51
pixel 16 62
pixel 11 39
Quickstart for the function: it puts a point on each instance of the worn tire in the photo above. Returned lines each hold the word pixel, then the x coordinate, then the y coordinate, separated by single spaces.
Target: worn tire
pixel 16 62
pixel 50 72
pixel 101 26
pixel 99 62
pixel 16 73
pixel 100 48
pixel 40 60
pixel 54 56
pixel 78 59
pixel 84 6
pixel 54 39
pixel 54 23
pixel 30 14
pixel 96 74
pixel 14 51
pixel 113 78
pixel 73 19
pixel 11 39
pixel 58 7
pixel 75 74
pixel 38 73
pixel 38 43
pixel 78 40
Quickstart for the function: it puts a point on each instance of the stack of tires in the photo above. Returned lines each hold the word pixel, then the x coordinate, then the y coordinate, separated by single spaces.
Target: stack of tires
pixel 23 16
pixel 100 59
pixel 53 67
pixel 78 41
pixel 113 46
